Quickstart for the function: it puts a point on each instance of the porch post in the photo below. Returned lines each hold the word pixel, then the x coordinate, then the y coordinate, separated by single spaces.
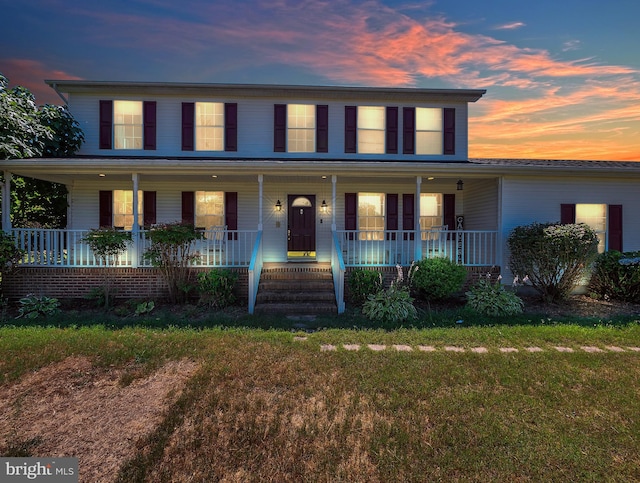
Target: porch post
pixel 416 220
pixel 260 191
pixel 6 202
pixel 135 229
pixel 334 180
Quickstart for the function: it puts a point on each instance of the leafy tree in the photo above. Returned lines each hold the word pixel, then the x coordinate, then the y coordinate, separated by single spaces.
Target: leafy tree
pixel 27 132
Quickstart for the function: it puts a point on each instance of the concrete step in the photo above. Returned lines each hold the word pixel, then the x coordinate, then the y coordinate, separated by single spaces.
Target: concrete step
pixel 300 296
pixel 296 308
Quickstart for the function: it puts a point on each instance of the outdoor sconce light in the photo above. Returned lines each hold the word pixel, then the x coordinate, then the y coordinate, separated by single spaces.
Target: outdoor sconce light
pixel 324 207
pixel 460 185
pixel 278 206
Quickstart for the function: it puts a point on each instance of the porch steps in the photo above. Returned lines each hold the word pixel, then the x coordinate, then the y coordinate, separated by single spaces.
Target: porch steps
pixel 296 288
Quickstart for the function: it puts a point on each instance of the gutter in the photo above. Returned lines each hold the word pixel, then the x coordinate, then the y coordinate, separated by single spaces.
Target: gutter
pixel 54 86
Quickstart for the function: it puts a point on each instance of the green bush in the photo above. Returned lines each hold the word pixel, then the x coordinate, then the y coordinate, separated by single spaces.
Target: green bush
pixel 493 299
pixel 616 276
pixel 363 283
pixel 437 278
pixel 10 255
pixel 33 306
pixel 390 306
pixel 216 287
pixel 555 257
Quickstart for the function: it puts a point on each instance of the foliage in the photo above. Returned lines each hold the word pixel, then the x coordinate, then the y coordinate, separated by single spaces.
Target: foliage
pixel 170 250
pixel 437 278
pixel 10 254
pixel 554 256
pixel 390 306
pixel 493 299
pixel 616 276
pixel 33 306
pixel 216 287
pixel 363 283
pixel 145 308
pixel 107 244
pixel 27 132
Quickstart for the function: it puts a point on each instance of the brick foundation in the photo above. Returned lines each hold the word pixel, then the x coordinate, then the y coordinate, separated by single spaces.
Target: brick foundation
pixel 77 283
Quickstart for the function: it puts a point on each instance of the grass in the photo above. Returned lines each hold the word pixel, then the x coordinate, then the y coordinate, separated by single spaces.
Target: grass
pixel 264 406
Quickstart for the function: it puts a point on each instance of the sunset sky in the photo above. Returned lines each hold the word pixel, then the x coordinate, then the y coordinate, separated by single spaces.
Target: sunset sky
pixel 562 77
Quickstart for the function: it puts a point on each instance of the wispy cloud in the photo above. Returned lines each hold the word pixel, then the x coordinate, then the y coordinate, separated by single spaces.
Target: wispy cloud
pixel 31 74
pixel 510 26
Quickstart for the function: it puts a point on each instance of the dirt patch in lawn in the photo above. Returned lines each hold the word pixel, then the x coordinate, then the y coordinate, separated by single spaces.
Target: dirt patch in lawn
pixel 72 408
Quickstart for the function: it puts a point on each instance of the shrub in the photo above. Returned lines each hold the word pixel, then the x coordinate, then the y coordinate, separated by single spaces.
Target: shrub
pixel 216 287
pixel 33 306
pixel 554 256
pixel 10 255
pixel 170 251
pixel 616 276
pixel 437 278
pixel 493 299
pixel 390 306
pixel 363 283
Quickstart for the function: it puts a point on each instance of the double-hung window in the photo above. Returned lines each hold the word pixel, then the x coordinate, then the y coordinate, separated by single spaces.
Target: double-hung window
pixel 428 130
pixel 371 129
pixel 209 209
pixel 301 128
pixel 123 209
pixel 595 216
pixel 430 211
pixel 127 124
pixel 371 216
pixel 209 126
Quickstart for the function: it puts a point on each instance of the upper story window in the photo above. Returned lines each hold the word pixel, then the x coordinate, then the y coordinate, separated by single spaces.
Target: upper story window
pixel 371 129
pixel 300 128
pixel 209 126
pixel 127 124
pixel 428 130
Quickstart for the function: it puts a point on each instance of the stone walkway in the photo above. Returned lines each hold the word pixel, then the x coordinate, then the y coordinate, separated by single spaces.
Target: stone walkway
pixel 474 350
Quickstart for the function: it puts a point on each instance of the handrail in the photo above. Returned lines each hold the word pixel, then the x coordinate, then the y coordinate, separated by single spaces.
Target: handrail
pixel 338 270
pixel 255 269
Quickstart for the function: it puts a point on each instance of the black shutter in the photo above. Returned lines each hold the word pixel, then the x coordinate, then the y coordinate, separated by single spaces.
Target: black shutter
pixel 149 208
pixel 615 228
pixel 322 129
pixel 408 130
pixel 392 215
pixel 392 130
pixel 408 214
pixel 149 125
pixel 351 212
pixel 231 127
pixel 449 131
pixel 105 209
pixel 106 124
pixel 231 213
pixel 350 129
pixel 567 213
pixel 279 128
pixel 188 128
pixel 188 207
pixel 449 210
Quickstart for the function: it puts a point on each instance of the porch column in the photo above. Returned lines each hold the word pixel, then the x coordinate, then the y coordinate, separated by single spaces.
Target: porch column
pixel 260 183
pixel 334 180
pixel 416 221
pixel 135 229
pixel 6 202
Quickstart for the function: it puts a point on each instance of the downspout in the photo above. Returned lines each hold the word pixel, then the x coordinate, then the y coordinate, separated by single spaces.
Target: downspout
pixel 54 86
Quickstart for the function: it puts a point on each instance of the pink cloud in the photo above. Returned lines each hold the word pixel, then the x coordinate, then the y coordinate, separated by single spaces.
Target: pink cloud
pixel 31 74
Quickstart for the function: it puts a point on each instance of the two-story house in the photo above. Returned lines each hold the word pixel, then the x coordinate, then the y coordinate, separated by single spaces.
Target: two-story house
pixel 299 178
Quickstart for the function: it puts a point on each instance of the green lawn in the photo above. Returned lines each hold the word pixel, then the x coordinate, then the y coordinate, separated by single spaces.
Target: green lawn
pixel 267 406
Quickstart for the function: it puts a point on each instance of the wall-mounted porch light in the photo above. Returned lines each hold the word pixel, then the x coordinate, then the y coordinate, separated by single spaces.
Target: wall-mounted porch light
pixel 460 185
pixel 278 206
pixel 324 208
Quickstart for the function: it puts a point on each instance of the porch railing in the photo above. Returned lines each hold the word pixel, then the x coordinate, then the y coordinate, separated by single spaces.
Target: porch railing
pixel 393 247
pixel 66 248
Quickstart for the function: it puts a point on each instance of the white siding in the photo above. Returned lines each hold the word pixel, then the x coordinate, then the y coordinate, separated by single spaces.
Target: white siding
pixel 255 129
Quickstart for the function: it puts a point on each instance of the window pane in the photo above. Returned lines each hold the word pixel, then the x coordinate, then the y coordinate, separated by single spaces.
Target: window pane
pixel 123 208
pixel 428 119
pixel 371 142
pixel 594 215
pixel 209 209
pixel 371 117
pixel 209 126
pixel 301 128
pixel 127 123
pixel 428 142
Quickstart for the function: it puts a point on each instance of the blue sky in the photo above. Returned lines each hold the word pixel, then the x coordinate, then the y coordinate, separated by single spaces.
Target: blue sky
pixel 562 77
